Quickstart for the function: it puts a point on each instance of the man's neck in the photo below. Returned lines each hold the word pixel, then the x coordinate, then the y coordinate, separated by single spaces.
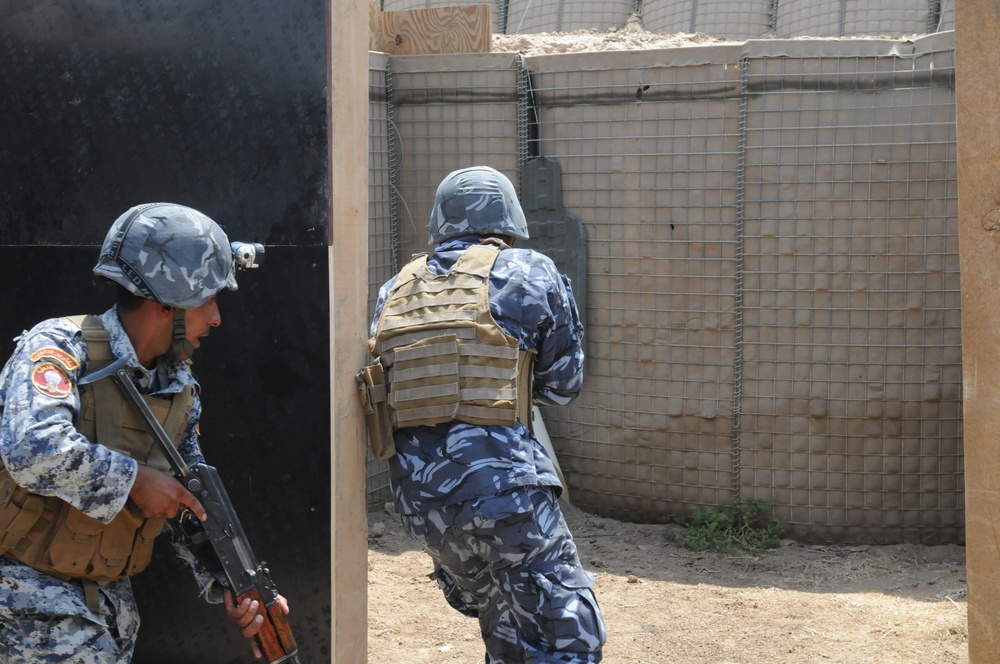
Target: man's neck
pixel 144 326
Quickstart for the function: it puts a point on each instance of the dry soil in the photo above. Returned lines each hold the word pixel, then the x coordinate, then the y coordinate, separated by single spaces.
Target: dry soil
pixel 664 603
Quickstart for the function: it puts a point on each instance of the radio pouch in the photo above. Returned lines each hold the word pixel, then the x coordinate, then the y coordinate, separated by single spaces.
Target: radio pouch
pixel 371 385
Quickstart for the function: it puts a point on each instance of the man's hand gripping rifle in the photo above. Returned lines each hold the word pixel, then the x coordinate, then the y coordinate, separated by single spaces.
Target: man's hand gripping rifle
pixel 219 542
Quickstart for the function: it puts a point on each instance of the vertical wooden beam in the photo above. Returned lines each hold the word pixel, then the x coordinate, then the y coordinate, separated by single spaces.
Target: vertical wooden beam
pixel 347 94
pixel 977 35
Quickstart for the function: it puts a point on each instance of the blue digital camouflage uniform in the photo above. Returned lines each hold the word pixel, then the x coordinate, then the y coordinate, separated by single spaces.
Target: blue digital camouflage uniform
pixel 44 619
pixel 484 499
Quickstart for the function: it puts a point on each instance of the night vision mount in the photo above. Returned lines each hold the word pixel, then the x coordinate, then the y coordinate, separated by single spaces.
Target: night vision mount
pixel 247 255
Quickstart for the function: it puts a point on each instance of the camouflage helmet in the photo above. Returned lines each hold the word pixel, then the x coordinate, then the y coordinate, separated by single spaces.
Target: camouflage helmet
pixel 477 200
pixel 168 253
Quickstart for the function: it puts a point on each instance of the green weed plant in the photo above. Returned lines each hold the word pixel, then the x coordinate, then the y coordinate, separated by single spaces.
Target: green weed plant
pixel 734 525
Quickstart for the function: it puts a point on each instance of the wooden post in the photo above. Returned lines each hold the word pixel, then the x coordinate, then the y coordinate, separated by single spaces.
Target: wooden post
pixel 977 35
pixel 347 95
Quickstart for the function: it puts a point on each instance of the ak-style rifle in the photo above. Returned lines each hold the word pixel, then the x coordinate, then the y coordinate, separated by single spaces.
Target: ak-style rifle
pixel 218 542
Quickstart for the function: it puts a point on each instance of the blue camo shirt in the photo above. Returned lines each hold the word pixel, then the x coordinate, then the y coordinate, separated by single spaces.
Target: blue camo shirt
pixel 453 462
pixel 45 454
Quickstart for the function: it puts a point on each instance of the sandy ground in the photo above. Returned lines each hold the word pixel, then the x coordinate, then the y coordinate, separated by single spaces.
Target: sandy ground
pixel 664 603
pixel 631 37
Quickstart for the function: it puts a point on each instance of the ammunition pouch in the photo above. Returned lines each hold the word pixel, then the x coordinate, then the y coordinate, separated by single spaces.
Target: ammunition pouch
pixel 372 387
pixel 55 538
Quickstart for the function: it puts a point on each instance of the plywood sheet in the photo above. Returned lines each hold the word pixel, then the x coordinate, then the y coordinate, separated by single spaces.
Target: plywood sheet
pixel 455 29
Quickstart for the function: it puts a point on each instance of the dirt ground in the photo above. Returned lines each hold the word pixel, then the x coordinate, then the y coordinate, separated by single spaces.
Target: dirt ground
pixel 663 603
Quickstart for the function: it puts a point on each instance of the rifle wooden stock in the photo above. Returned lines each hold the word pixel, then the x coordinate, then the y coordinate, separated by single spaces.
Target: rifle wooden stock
pixel 274 638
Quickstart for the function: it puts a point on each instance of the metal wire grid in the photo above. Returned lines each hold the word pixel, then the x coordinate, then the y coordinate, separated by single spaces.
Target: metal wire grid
pixel 648 158
pixel 526 121
pixel 888 17
pixel 532 16
pixel 680 172
pixel 734 19
pixel 795 18
pixel 383 240
pixel 822 18
pixel 450 118
pixel 497 8
pixel 739 305
pixel 945 16
pixel 851 391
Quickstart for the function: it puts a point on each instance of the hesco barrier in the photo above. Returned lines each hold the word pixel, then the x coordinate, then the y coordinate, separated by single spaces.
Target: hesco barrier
pixel 735 19
pixel 771 264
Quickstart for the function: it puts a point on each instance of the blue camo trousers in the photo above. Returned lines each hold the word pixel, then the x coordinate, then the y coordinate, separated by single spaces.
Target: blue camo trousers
pixel 38 638
pixel 510 561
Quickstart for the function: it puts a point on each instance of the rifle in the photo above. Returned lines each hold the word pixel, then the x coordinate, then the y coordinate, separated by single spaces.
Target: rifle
pixel 219 542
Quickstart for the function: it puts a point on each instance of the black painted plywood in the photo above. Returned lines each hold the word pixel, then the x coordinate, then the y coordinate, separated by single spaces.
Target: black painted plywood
pixel 221 106
pixel 107 103
pixel 265 393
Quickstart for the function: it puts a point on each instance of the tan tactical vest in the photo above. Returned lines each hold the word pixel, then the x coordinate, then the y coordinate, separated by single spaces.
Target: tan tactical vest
pixel 444 354
pixel 58 539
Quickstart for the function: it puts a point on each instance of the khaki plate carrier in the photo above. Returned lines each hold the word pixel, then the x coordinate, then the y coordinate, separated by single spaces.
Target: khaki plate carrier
pixel 56 538
pixel 445 357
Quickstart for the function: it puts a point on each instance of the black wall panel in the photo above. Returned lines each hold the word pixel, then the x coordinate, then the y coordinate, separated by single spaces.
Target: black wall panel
pixel 221 106
pixel 265 391
pixel 217 105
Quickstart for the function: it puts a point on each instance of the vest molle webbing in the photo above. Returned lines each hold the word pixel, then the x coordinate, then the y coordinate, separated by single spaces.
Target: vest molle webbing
pixel 56 538
pixel 446 357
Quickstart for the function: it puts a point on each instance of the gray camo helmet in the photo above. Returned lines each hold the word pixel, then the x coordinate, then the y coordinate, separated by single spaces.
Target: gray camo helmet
pixel 477 200
pixel 168 253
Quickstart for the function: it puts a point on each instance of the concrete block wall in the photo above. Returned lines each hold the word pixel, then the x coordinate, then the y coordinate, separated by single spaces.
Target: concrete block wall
pixel 771 232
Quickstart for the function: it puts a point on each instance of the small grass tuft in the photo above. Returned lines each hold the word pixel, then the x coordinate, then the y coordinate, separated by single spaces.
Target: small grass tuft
pixel 736 524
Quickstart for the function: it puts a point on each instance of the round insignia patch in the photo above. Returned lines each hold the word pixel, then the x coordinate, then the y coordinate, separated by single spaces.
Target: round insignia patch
pixel 51 380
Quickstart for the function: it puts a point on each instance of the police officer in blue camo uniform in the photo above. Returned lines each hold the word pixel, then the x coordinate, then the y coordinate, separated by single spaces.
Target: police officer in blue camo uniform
pixel 83 489
pixel 468 338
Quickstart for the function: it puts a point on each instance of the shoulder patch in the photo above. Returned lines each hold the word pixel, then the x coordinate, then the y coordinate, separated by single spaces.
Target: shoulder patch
pixel 64 359
pixel 51 380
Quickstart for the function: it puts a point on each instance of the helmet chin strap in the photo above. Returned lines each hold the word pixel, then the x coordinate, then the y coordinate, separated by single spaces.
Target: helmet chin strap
pixel 180 343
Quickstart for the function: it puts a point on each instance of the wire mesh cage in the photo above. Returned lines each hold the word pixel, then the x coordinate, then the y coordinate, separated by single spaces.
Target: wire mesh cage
pixel 772 268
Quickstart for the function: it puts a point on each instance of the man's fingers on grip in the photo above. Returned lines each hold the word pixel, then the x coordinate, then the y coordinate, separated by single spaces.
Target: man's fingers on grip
pixel 190 501
pixel 250 618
